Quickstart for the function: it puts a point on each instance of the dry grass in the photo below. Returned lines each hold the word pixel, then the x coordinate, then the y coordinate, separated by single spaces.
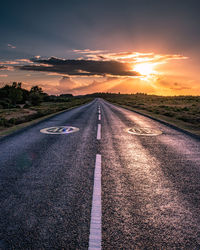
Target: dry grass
pixel 12 119
pixel 181 111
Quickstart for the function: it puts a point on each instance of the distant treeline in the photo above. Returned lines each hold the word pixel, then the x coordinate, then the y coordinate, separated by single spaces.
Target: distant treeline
pixel 12 96
pixel 140 96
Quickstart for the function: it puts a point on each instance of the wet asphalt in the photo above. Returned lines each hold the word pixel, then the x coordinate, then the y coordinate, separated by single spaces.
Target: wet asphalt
pixel 150 184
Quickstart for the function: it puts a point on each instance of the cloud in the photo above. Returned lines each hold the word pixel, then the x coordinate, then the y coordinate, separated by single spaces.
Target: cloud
pixel 3 75
pixel 95 63
pixel 132 86
pixel 132 57
pixel 8 62
pixel 81 67
pixel 170 83
pixel 88 51
pixel 54 74
pixel 8 68
pixel 11 46
pixel 24 60
pixel 2 67
pixel 67 85
pixel 6 65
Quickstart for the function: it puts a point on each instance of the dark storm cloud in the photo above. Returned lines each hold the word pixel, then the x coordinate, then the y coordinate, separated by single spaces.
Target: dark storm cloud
pixel 80 67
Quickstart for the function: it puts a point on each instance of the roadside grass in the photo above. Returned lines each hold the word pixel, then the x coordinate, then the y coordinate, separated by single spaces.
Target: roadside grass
pixel 181 111
pixel 13 119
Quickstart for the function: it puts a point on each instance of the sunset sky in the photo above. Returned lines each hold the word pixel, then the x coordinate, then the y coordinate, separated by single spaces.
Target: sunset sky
pixel 86 46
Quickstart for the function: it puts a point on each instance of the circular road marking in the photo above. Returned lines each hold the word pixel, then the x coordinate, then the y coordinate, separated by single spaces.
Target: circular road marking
pixel 59 130
pixel 143 131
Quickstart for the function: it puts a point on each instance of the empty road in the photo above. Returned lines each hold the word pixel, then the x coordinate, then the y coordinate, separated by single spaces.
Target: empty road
pixel 99 176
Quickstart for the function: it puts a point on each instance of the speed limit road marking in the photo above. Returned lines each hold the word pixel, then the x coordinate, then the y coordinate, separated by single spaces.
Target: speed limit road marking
pixel 59 130
pixel 143 131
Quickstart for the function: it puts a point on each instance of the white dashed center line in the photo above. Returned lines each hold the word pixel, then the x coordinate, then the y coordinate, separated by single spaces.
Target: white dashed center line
pixel 99 132
pixel 95 224
pixel 99 117
pixel 99 110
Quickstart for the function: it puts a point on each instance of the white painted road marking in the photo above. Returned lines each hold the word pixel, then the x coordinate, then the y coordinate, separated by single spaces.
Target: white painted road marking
pixel 59 130
pixel 99 132
pixel 95 224
pixel 99 117
pixel 143 131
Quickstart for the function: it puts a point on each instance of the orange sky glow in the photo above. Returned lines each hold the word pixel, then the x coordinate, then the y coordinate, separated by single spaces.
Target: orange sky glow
pixel 160 74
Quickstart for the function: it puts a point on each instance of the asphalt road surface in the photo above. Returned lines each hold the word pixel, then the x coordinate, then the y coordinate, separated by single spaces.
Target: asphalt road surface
pixel 123 181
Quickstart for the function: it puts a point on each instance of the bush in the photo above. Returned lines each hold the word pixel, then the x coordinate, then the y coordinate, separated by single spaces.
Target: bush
pixel 4 123
pixel 26 106
pixel 168 114
pixel 35 99
pixel 5 103
pixel 12 121
pixel 185 109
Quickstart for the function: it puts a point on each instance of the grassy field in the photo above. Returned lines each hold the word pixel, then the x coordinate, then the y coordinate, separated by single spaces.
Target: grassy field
pixel 12 119
pixel 181 111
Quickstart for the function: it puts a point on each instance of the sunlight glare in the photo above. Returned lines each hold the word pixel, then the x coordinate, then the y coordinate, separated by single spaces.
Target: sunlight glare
pixel 145 69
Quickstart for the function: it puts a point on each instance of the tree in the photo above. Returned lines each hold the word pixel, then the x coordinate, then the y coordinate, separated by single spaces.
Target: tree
pixel 14 84
pixel 36 89
pixel 19 85
pixel 36 95
pixel 35 98
pixel 15 95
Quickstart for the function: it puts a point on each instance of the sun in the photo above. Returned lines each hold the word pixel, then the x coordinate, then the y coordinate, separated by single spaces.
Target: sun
pixel 145 69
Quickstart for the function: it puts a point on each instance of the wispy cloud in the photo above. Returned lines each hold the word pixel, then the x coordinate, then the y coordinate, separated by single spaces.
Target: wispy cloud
pixel 2 67
pixel 11 46
pixel 132 57
pixel 24 60
pixel 88 51
pixel 3 75
pixel 7 68
pixel 8 63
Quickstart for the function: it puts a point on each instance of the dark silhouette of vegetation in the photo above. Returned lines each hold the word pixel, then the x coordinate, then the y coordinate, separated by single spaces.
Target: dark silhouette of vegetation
pixel 178 109
pixel 18 105
pixel 13 95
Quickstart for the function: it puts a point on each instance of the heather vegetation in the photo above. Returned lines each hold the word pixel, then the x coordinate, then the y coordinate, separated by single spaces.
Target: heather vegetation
pixel 18 105
pixel 183 111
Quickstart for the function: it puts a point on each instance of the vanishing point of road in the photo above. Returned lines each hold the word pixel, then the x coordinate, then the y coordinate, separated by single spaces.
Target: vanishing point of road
pixel 122 181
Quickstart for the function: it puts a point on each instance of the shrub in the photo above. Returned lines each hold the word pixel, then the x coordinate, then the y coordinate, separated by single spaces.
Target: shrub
pixel 170 114
pixel 12 121
pixel 5 103
pixel 35 98
pixel 26 106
